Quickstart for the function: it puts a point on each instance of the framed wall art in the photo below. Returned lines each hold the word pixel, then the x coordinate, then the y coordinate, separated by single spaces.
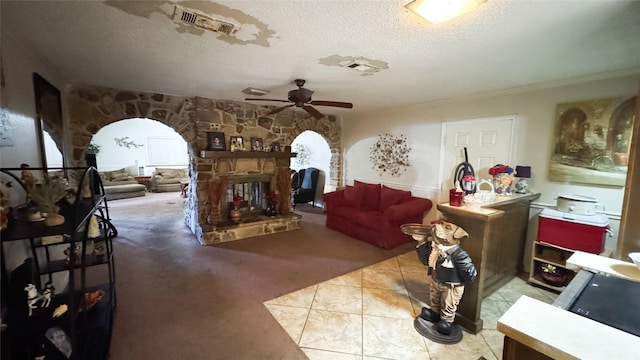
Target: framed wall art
pixel 592 141
pixel 256 144
pixel 49 121
pixel 215 141
pixel 236 143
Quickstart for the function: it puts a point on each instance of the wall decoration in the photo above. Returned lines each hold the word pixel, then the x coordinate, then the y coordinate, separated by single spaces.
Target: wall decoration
pixel 390 154
pixel 215 141
pixel 237 143
pixel 49 110
pixel 125 142
pixel 6 130
pixel 256 144
pixel 303 156
pixel 592 141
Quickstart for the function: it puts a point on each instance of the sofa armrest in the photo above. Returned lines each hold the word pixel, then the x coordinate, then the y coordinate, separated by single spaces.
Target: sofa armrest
pixel 416 207
pixel 333 199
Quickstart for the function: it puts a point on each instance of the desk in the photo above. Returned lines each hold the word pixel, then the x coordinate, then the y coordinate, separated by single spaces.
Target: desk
pixel 496 243
pixel 144 180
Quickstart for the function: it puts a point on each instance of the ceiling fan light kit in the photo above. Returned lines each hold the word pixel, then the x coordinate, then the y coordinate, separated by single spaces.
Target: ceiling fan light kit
pixel 437 11
pixel 301 98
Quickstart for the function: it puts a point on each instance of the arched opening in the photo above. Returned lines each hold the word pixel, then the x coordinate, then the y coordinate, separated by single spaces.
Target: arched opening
pixel 139 145
pixel 131 153
pixel 313 151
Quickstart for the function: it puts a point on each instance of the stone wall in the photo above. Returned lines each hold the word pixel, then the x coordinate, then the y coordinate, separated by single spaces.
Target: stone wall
pixel 89 108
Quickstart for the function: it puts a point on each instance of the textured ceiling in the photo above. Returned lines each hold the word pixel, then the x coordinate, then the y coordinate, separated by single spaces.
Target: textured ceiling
pixel 505 44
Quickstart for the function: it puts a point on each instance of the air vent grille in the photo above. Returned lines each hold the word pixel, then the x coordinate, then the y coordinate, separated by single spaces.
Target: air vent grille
pixel 201 20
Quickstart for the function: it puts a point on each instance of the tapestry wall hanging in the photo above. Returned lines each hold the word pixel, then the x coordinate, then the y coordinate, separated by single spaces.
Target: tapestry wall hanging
pixel 592 141
pixel 390 154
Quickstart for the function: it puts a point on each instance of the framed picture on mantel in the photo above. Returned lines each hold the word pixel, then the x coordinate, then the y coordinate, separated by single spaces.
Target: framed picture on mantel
pixel 215 141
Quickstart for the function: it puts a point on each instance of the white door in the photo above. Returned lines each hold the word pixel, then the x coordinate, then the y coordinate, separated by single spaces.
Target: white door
pixel 488 142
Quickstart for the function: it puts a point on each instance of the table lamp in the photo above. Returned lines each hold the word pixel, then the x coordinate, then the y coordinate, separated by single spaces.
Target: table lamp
pixel 522 172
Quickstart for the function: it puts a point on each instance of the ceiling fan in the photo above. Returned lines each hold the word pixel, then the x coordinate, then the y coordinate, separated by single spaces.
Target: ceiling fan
pixel 301 98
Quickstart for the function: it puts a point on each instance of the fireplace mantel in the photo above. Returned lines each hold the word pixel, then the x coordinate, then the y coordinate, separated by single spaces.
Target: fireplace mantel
pixel 246 154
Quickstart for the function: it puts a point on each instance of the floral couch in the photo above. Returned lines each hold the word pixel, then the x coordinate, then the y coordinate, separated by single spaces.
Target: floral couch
pixel 374 213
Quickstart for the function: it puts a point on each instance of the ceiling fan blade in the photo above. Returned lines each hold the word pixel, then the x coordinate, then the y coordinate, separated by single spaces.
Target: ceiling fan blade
pixel 257 99
pixel 311 110
pixel 277 110
pixel 332 103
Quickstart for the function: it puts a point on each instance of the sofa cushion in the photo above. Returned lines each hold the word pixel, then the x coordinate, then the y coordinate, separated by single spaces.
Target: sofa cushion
pixel 371 198
pixel 390 197
pixel 353 195
pixel 120 174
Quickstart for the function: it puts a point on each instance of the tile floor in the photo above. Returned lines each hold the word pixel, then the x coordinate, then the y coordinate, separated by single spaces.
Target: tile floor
pixel 368 314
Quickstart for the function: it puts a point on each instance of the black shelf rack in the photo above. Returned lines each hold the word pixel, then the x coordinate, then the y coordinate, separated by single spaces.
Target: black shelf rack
pixel 88 326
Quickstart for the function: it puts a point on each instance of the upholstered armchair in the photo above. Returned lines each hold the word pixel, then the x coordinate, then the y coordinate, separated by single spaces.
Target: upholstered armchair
pixel 308 186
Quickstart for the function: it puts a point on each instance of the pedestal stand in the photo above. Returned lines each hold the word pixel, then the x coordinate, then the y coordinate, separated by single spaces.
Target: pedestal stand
pixel 428 330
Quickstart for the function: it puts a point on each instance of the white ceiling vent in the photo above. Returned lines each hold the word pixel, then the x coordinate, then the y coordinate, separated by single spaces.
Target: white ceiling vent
pixel 362 66
pixel 199 19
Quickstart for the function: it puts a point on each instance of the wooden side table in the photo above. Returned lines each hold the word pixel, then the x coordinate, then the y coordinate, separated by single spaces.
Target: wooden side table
pixel 144 180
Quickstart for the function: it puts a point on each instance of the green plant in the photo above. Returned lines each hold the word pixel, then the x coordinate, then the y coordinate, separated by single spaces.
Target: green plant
pixel 48 193
pixel 93 149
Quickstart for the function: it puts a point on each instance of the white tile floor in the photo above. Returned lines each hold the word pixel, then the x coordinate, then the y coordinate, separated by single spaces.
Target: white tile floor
pixel 368 314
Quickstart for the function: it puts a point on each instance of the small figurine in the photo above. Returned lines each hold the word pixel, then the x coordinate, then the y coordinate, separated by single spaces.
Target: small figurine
pixel 450 268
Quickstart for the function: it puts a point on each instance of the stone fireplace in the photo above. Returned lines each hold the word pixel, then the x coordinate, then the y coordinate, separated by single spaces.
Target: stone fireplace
pixel 252 176
pixel 89 108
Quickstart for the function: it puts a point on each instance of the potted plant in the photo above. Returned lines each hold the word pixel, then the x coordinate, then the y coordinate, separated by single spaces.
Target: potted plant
pixel 46 196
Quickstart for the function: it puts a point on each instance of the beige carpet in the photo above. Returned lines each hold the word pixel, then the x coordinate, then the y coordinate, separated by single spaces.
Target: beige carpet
pixel 180 300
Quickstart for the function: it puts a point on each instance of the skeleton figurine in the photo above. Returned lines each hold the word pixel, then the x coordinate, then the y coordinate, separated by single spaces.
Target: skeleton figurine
pixel 449 268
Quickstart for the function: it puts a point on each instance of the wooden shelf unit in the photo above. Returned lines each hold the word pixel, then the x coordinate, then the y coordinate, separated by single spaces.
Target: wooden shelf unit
pixel 555 255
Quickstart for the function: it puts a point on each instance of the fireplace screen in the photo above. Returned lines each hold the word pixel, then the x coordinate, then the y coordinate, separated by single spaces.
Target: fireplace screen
pixel 253 192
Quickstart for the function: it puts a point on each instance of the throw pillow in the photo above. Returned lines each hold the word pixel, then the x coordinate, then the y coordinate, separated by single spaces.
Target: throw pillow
pixel 354 195
pixel 371 198
pixel 118 174
pixel 390 197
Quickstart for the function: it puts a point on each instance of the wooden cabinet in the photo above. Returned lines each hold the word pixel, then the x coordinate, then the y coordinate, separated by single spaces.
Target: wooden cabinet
pixel 496 243
pixel 545 254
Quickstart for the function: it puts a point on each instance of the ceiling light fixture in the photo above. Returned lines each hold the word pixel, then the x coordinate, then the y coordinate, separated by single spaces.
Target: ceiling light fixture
pixel 437 11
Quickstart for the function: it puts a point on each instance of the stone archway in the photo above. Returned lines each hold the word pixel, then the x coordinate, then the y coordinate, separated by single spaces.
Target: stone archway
pixel 330 129
pixel 91 108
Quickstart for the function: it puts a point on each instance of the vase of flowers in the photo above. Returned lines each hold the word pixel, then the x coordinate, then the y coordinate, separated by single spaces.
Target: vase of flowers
pixel 273 198
pixel 502 178
pixel 235 213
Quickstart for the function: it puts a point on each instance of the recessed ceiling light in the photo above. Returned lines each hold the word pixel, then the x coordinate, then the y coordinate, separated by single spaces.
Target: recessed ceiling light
pixel 437 11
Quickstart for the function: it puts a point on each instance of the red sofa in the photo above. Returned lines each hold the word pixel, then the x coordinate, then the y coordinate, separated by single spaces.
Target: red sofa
pixel 373 213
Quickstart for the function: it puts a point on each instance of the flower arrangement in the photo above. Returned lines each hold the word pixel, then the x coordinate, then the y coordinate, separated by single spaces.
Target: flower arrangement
pixel 273 197
pixel 501 169
pixel 502 178
pixel 237 199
